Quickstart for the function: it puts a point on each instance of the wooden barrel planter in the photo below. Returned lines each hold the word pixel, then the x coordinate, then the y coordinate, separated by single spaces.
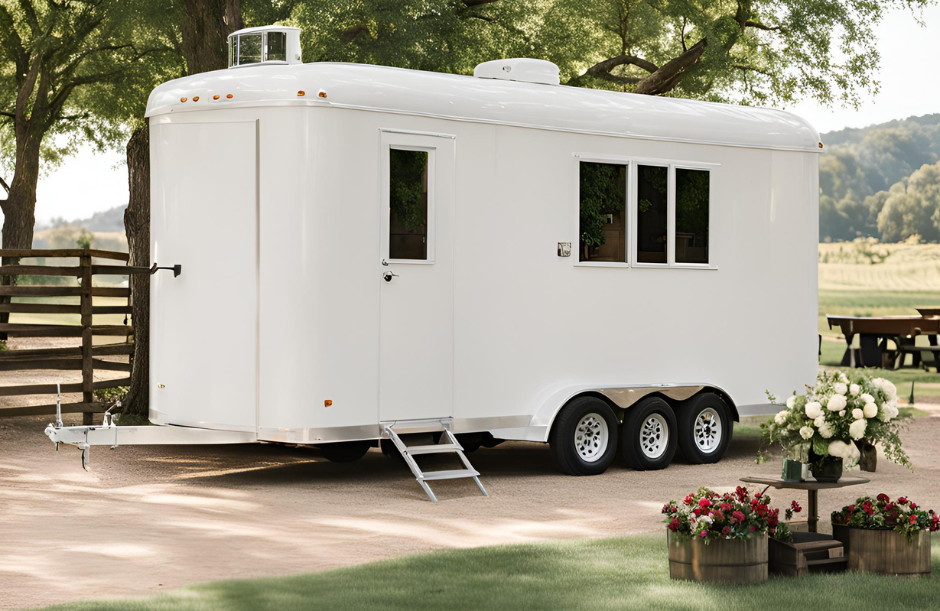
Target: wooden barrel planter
pixel 721 561
pixel 884 551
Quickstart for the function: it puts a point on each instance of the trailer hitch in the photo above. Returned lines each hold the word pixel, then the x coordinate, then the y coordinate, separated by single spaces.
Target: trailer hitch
pixel 78 435
pixel 177 269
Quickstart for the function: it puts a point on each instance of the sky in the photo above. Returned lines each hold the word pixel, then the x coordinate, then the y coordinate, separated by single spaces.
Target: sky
pixel 91 182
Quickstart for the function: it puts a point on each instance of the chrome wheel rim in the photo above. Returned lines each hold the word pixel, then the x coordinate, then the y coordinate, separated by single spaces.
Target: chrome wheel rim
pixel 654 436
pixel 591 437
pixel 707 432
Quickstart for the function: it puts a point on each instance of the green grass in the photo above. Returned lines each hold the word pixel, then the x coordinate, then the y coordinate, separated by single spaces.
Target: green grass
pixel 623 573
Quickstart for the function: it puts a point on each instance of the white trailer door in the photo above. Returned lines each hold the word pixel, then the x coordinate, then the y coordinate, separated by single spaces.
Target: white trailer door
pixel 204 324
pixel 416 274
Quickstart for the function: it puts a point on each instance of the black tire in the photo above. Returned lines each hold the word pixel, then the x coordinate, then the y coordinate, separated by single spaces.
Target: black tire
pixel 652 421
pixel 708 445
pixel 592 458
pixel 345 451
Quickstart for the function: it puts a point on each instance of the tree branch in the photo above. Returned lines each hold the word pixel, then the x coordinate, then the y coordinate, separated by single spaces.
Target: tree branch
pixel 666 78
pixel 4 184
pixel 761 26
pixel 600 69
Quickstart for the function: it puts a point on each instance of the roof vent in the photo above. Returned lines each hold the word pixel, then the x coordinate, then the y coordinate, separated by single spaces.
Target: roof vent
pixel 520 69
pixel 268 44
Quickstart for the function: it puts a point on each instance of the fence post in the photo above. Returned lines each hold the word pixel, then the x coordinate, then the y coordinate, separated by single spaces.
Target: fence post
pixel 88 373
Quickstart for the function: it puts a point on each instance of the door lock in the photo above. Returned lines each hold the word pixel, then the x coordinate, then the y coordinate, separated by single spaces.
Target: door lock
pixel 389 275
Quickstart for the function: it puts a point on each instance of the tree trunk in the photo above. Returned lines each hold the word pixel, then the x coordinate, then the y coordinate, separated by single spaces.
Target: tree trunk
pixel 19 210
pixel 205 30
pixel 137 226
pixel 869 459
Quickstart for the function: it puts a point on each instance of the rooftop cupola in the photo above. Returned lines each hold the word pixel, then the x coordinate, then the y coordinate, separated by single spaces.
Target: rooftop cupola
pixel 520 69
pixel 269 44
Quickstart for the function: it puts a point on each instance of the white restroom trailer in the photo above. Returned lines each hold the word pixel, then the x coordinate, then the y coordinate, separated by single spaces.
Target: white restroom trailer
pixel 368 252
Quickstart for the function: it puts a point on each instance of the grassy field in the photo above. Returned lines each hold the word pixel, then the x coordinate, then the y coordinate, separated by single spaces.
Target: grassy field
pixel 622 573
pixel 864 279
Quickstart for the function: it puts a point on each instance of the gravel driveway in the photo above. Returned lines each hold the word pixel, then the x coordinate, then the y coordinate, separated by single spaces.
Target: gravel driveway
pixel 147 519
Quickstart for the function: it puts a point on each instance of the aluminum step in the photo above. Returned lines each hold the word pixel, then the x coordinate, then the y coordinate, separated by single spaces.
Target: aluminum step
pixel 448 445
pixel 433 449
pixel 431 476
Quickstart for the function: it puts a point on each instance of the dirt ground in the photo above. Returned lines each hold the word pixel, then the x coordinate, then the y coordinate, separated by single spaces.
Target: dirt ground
pixel 147 519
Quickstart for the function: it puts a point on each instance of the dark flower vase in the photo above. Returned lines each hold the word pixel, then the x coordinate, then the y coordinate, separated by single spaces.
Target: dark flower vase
pixel 826 469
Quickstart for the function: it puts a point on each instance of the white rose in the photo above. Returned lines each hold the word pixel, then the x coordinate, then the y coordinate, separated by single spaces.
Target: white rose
pixel 842 414
pixel 791 401
pixel 840 388
pixel 819 421
pixel 855 389
pixel 858 414
pixel 842 377
pixel 838 449
pixel 890 390
pixel 781 417
pixel 825 430
pixel 888 412
pixel 807 432
pixel 813 410
pixel 857 429
pixel 870 410
pixel 836 403
pixel 867 398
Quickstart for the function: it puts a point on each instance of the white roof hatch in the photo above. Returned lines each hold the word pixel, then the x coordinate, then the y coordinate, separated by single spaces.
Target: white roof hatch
pixel 520 69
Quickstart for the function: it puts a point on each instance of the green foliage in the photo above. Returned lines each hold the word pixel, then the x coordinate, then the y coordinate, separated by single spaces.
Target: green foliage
pixel 84 239
pixel 111 395
pixel 602 192
pixel 406 188
pixel 94 64
pixel 883 513
pixel 882 181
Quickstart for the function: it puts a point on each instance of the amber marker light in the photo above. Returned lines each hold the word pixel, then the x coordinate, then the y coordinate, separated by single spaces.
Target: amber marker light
pixel 301 93
pixel 229 96
pixel 328 403
pixel 195 98
pixel 183 99
pixel 322 94
pixel 215 97
pixel 820 145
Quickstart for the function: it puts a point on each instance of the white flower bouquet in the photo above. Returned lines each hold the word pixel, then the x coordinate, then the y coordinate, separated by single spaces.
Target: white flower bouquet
pixel 830 417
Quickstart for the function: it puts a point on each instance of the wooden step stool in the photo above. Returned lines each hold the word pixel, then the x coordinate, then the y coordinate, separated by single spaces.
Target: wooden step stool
pixel 806 553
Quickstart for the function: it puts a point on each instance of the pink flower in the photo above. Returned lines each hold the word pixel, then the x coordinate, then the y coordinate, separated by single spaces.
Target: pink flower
pixel 704 534
pixel 737 516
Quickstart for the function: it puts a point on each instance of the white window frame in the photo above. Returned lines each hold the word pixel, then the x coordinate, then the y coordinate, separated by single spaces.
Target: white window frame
pixel 632 163
pixel 401 142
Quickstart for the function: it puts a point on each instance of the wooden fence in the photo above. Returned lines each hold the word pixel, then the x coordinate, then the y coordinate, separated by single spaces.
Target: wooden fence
pixel 46 300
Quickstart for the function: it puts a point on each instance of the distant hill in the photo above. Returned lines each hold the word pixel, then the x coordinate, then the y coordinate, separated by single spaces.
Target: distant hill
pixel 873 182
pixel 106 221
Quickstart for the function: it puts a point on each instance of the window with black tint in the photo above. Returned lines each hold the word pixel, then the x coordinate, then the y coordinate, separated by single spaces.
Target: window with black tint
pixel 277 47
pixel 692 216
pixel 603 199
pixel 408 205
pixel 651 214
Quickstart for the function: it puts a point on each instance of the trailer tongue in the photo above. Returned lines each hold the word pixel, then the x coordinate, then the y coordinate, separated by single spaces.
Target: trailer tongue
pixel 109 434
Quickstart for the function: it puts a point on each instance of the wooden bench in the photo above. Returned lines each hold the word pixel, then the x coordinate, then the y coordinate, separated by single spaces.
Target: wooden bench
pixel 922 355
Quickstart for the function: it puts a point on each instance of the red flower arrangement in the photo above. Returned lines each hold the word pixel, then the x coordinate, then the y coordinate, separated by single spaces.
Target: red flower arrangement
pixel 709 515
pixel 881 513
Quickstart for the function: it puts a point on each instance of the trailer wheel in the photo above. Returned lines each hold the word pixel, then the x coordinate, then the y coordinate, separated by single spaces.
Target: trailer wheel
pixel 704 429
pixel 345 451
pixel 648 440
pixel 583 440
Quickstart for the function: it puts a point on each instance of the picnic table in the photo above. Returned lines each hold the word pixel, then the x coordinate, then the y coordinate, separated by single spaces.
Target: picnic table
pixel 812 488
pixel 876 331
pixel 931 312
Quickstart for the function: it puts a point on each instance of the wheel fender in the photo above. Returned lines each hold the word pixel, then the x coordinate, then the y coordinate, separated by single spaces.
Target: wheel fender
pixel 549 402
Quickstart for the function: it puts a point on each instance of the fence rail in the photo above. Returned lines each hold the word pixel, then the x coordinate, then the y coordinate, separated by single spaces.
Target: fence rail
pixel 86 357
